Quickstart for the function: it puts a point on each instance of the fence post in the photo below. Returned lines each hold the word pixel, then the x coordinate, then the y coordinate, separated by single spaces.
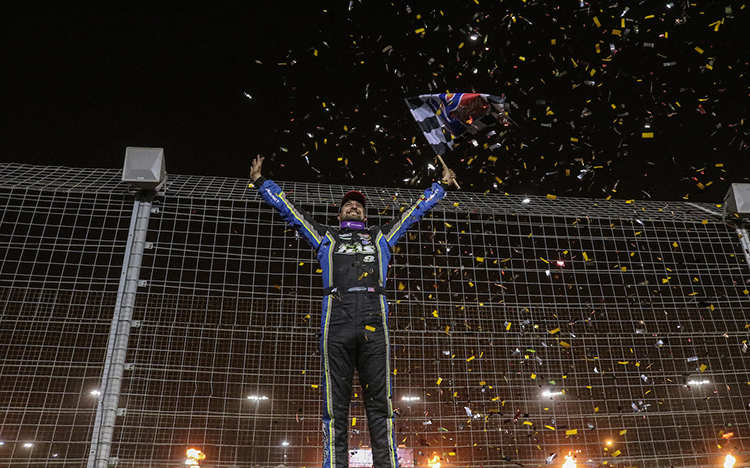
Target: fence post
pixel 742 234
pixel 119 334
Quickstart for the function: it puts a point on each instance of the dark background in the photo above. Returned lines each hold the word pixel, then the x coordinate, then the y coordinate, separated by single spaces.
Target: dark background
pixel 318 88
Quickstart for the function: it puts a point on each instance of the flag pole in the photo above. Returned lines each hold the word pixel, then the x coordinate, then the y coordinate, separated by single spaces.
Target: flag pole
pixel 445 166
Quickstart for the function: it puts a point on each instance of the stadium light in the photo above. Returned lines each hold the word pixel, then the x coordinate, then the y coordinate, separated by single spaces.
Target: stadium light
pixel 570 461
pixel 257 397
pixel 144 168
pixel 699 382
pixel 194 456
pixel 737 200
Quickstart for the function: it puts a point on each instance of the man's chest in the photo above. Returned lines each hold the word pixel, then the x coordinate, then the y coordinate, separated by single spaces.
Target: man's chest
pixel 353 243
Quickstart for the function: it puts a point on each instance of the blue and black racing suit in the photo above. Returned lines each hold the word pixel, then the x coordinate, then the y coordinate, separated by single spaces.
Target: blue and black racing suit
pixel 354 325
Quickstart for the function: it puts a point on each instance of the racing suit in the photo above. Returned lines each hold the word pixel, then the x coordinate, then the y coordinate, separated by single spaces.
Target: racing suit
pixel 354 322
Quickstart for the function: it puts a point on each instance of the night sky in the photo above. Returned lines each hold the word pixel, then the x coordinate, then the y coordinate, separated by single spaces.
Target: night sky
pixel 646 101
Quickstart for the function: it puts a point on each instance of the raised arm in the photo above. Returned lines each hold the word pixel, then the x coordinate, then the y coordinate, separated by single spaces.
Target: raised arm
pixel 297 218
pixel 394 230
pixel 255 170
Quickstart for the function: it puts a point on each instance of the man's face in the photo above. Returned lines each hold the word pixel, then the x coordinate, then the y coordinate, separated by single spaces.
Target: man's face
pixel 352 210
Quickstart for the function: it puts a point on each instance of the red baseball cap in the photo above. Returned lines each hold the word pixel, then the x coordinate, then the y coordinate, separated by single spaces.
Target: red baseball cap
pixel 354 195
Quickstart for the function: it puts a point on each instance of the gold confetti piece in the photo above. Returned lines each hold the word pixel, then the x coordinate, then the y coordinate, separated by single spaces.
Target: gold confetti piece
pixel 507 327
pixel 401 286
pixel 564 344
pixel 597 23
pixel 551 197
pixel 616 453
pixel 471 359
pixel 703 367
pixel 354 421
pixel 480 259
pixel 528 423
pixel 435 313
pixel 314 386
pixel 549 427
pixel 647 134
pixel 522 58
pixel 571 432
pixel 439 380
pixel 533 376
pixel 623 432
pixel 552 332
pixel 585 257
pixel 596 409
pixel 419 31
pixel 369 328
pixel 623 362
pixel 543 259
pixel 624 269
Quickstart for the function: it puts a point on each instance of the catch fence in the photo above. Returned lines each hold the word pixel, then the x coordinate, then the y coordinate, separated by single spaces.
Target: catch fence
pixel 523 328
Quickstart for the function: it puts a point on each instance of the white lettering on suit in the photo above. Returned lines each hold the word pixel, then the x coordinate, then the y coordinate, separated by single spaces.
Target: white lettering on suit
pixel 353 249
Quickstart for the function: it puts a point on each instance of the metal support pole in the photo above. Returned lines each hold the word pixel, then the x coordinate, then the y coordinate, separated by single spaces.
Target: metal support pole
pixel 119 334
pixel 745 241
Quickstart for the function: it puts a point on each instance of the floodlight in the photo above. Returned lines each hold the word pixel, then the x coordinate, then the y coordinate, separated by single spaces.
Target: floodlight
pixel 737 200
pixel 144 168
